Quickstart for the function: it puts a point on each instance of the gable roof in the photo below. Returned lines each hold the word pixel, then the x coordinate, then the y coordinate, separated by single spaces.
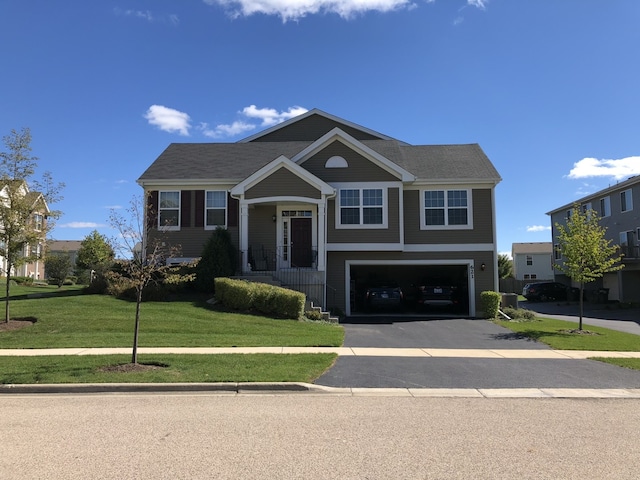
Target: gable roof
pixel 193 163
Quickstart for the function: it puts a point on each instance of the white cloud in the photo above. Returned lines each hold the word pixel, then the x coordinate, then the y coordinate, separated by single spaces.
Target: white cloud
pixel 296 9
pixel 538 228
pixel 618 169
pixel 80 225
pixel 271 116
pixel 168 119
pixel 220 131
pixel 113 207
pixel 147 16
pixel 482 4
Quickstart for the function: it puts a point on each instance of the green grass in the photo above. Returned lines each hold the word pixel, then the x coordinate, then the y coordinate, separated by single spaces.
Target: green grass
pixel 76 320
pixel 556 334
pixel 632 363
pixel 179 368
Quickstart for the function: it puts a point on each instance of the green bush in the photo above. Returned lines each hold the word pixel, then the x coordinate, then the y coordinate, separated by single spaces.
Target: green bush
pixel 218 259
pixel 519 313
pixel 490 303
pixel 23 280
pixel 260 297
pixel 313 315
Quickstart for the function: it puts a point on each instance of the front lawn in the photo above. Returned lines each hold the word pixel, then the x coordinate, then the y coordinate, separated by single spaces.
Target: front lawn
pixel 69 320
pixel 559 335
pixel 174 368
pixel 632 363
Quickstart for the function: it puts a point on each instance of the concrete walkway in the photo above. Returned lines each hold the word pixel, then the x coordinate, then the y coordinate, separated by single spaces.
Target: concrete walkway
pixel 341 351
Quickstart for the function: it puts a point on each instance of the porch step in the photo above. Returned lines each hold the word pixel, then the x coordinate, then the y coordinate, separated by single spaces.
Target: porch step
pixel 326 316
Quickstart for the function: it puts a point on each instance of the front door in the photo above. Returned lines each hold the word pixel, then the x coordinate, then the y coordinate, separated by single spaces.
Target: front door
pixel 301 242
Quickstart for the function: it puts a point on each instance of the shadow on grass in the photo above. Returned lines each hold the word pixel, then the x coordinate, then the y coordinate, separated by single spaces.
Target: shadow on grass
pixel 49 294
pixel 530 335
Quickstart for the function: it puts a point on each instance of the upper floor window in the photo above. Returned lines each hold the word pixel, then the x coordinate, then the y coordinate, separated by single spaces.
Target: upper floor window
pixel 446 208
pixel 364 207
pixel 557 252
pixel 626 201
pixel 38 222
pixel 169 210
pixel 529 260
pixel 605 207
pixel 215 209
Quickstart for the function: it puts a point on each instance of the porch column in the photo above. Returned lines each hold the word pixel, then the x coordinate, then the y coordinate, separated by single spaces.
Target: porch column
pixel 322 221
pixel 244 236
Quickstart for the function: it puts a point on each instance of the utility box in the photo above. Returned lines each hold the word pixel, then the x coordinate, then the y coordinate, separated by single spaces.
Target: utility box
pixel 509 300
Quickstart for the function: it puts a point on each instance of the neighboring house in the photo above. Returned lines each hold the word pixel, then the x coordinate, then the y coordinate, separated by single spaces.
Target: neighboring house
pixel 532 261
pixel 69 247
pixel 327 207
pixel 39 211
pixel 619 207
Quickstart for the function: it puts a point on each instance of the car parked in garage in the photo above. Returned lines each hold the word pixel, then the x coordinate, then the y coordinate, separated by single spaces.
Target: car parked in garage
pixel 438 294
pixel 544 291
pixel 384 296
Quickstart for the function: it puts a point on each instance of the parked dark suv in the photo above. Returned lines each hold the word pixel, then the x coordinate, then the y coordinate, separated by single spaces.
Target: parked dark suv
pixel 543 291
pixel 384 295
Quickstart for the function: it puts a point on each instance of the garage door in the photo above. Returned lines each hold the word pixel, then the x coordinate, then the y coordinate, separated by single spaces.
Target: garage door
pixel 427 289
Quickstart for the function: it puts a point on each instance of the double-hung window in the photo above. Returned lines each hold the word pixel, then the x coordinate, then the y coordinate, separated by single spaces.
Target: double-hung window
pixel 215 209
pixel 446 208
pixel 169 210
pixel 38 221
pixel 605 207
pixel 362 207
pixel 626 201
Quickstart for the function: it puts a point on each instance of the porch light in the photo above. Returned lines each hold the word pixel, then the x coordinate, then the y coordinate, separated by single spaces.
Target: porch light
pixel 483 266
pixel 274 218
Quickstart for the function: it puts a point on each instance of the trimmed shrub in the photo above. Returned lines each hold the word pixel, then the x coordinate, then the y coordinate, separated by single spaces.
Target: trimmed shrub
pixel 490 303
pixel 219 258
pixel 313 315
pixel 260 297
pixel 519 313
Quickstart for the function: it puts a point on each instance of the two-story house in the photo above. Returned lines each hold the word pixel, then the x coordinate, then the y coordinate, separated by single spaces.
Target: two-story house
pixel 532 261
pixel 32 206
pixel 620 215
pixel 321 201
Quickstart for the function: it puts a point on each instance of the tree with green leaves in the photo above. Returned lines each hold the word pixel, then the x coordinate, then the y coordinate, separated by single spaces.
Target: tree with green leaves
pixel 146 258
pixel 218 260
pixel 25 202
pixel 95 254
pixel 58 267
pixel 505 266
pixel 586 253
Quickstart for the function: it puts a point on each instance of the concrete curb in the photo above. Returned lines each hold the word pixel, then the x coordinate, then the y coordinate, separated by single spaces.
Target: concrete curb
pixel 249 388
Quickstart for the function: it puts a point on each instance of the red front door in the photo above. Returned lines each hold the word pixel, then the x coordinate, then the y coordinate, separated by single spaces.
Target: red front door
pixel 301 254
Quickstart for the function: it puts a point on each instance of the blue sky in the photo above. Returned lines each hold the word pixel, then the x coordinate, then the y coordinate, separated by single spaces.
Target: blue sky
pixel 549 89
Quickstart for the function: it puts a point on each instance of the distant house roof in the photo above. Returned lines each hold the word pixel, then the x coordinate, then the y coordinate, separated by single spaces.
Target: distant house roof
pixel 631 181
pixel 64 245
pixel 532 248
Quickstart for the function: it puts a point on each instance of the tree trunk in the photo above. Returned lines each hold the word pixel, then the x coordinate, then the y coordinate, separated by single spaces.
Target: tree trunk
pixel 581 305
pixel 134 356
pixel 6 300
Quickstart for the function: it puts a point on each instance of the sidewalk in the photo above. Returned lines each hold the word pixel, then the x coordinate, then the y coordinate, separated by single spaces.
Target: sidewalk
pixel 341 351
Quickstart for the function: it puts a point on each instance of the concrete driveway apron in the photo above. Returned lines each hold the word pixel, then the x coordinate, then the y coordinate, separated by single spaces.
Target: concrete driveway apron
pixel 459 371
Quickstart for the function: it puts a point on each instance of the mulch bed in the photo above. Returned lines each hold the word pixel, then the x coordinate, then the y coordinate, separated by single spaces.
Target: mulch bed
pixel 17 324
pixel 576 331
pixel 131 367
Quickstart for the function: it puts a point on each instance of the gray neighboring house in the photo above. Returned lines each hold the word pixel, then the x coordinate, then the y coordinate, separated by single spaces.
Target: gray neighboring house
pixel 70 247
pixel 619 207
pixel 532 261
pixel 328 207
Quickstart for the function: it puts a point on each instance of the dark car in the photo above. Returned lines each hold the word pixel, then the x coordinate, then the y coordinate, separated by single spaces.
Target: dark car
pixel 544 291
pixel 385 295
pixel 441 294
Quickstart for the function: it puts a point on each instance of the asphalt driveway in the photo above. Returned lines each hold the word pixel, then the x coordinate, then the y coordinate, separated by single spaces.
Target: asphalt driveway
pixel 459 372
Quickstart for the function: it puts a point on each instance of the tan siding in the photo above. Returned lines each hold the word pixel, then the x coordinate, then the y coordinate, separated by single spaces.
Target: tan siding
pixel 311 128
pixel 262 229
pixel 282 182
pixel 369 235
pixel 360 169
pixel 190 241
pixel 482 231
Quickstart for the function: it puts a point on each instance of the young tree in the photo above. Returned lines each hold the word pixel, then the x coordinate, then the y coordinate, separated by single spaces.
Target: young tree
pixel 57 267
pixel 25 215
pixel 586 254
pixel 145 256
pixel 95 254
pixel 505 266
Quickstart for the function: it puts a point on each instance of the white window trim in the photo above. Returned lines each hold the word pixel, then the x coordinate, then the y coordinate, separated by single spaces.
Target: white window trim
pixel 629 198
pixel 468 226
pixel 363 186
pixel 169 228
pixel 226 210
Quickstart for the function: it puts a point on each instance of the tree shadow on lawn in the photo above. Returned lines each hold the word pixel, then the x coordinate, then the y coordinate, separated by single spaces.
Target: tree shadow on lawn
pixel 536 335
